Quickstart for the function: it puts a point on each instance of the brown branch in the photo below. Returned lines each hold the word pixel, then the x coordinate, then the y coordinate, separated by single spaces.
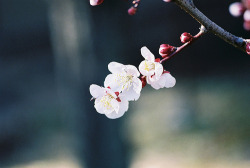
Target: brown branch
pixel 190 8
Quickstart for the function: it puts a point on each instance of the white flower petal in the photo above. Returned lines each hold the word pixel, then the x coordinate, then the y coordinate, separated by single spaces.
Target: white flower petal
pixel 115 67
pixel 158 69
pixel 146 53
pixel 115 105
pixel 156 85
pixel 130 94
pixel 99 106
pixel 137 85
pixel 154 82
pixel 132 70
pixel 110 82
pixel 123 107
pixel 96 91
pixel 170 80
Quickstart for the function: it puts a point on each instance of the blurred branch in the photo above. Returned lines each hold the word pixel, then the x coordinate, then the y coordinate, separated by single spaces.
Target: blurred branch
pixel 212 27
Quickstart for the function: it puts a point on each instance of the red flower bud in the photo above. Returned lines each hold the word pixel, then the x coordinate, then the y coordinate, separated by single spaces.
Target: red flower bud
pixel 246 25
pixel 132 11
pixel 186 37
pixel 95 2
pixel 248 48
pixel 165 50
pixel 143 81
pixel 246 3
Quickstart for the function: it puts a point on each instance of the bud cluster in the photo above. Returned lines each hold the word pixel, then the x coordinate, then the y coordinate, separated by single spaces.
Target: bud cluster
pixel 237 9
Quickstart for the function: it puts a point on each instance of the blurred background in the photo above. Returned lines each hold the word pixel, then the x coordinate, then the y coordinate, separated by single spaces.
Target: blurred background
pixel 52 50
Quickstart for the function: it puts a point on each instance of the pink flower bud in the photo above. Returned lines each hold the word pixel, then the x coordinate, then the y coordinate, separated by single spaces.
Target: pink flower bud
pixel 248 48
pixel 236 9
pixel 167 0
pixel 246 3
pixel 95 2
pixel 165 50
pixel 132 11
pixel 246 15
pixel 143 81
pixel 186 37
pixel 246 25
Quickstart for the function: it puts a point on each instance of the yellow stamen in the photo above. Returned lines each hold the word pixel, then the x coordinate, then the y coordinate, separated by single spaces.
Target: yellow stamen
pixel 149 66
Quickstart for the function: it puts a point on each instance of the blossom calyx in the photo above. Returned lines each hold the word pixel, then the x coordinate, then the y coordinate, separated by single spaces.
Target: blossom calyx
pixel 186 37
pixel 143 81
pixel 166 49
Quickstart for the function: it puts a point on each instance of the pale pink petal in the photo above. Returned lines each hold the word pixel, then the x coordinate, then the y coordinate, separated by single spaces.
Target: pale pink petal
pixel 156 83
pixel 137 85
pixel 246 15
pixel 146 53
pixel 158 70
pixel 115 67
pixel 130 94
pixel 99 106
pixel 170 80
pixel 132 70
pixel 115 105
pixel 110 82
pixel 123 107
pixel 96 91
pixel 236 9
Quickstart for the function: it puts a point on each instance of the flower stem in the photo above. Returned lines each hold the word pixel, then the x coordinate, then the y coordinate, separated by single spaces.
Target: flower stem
pixel 203 30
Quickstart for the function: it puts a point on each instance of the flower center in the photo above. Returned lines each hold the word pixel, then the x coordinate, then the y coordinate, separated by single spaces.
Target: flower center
pixel 124 80
pixel 149 66
pixel 106 101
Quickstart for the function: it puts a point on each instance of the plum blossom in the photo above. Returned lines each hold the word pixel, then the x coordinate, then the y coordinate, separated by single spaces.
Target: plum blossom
pixel 153 71
pixel 150 66
pixel 124 79
pixel 166 80
pixel 108 102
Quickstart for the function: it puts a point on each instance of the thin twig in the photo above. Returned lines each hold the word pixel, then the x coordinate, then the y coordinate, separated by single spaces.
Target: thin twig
pixel 191 9
pixel 203 30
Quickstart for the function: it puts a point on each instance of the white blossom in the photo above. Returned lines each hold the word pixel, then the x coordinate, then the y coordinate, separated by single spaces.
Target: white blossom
pixel 166 80
pixel 149 66
pixel 107 102
pixel 124 79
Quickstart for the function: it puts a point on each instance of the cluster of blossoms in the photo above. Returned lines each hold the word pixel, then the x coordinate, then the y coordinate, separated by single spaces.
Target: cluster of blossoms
pixel 237 9
pixel 125 83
